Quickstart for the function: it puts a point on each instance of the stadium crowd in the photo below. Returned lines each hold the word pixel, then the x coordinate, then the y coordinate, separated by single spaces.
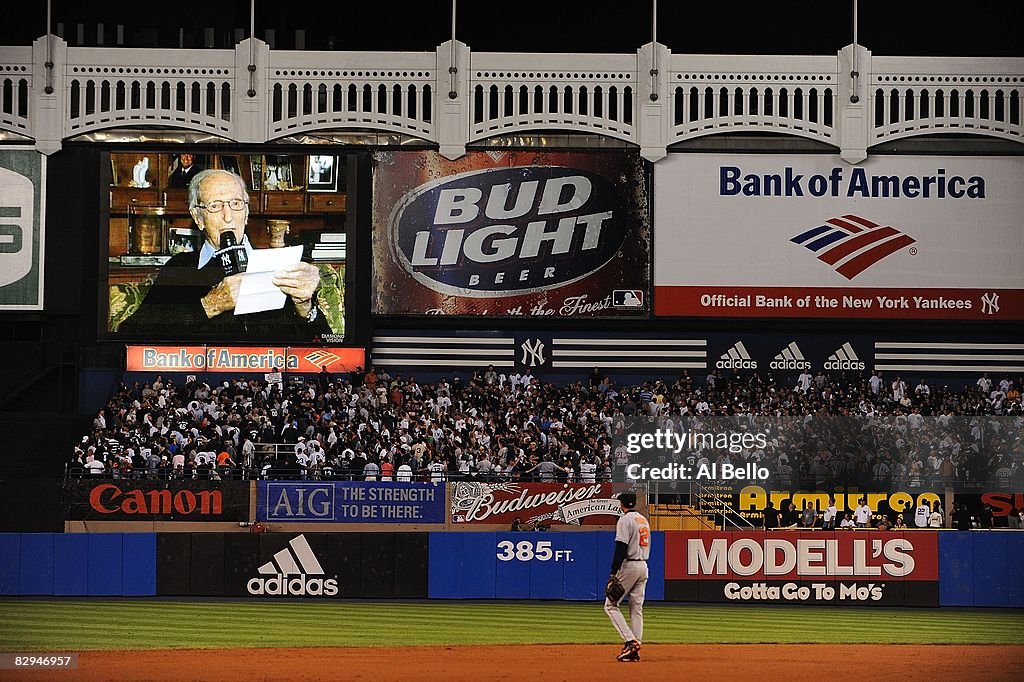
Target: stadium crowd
pixel 374 426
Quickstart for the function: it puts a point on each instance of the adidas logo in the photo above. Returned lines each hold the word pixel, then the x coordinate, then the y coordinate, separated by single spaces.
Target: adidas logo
pixel 736 357
pixel 844 358
pixel 790 358
pixel 297 559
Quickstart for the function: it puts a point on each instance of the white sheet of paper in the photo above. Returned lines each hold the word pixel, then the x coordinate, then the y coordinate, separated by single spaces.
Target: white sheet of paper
pixel 257 292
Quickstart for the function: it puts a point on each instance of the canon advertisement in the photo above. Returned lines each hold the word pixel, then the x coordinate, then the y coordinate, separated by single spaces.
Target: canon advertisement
pixel 858 568
pixel 511 233
pixel 810 236
pixel 128 500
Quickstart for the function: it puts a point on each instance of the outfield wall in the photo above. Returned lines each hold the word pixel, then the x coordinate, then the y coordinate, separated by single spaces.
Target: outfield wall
pixel 867 568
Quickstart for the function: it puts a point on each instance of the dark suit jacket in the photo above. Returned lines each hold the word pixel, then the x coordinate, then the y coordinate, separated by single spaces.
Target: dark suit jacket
pixel 172 309
pixel 179 178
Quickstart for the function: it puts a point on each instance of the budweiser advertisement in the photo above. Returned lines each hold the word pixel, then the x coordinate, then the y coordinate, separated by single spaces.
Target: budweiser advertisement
pixel 511 233
pixel 535 504
pixel 855 567
pixel 243 358
pixel 810 236
pixel 136 500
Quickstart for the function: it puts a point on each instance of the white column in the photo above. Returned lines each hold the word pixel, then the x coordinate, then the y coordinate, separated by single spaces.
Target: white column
pixel 451 114
pixel 853 119
pixel 250 115
pixel 48 111
pixel 653 100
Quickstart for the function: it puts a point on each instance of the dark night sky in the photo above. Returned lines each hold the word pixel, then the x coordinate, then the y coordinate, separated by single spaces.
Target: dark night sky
pixel 887 27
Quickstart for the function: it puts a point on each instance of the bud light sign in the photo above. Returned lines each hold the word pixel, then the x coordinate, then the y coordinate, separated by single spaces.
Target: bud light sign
pixel 526 235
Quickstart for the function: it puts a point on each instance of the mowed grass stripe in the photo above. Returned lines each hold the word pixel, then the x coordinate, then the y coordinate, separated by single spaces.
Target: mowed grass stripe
pixel 162 624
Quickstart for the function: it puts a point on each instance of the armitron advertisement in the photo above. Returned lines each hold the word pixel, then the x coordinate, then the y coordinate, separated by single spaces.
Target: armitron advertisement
pixel 511 233
pixel 810 236
pixel 535 504
pixel 858 568
pixel 242 359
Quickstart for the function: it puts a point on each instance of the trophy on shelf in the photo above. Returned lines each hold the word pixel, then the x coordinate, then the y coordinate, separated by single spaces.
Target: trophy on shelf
pixel 139 173
pixel 278 229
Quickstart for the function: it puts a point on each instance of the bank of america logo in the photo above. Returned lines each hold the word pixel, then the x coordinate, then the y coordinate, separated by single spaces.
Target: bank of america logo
pixel 790 357
pixel 844 358
pixel 298 560
pixel 736 357
pixel 852 244
pixel 322 357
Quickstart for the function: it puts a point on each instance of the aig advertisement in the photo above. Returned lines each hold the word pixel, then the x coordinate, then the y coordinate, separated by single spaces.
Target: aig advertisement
pixel 503 233
pixel 22 181
pixel 810 236
pixel 857 568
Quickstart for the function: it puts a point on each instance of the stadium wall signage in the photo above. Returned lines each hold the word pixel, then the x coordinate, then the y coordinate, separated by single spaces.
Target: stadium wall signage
pixel 350 502
pixel 534 503
pixel 22 223
pixel 506 233
pixel 242 358
pixel 820 567
pixel 552 565
pixel 807 236
pixel 979 568
pixel 129 500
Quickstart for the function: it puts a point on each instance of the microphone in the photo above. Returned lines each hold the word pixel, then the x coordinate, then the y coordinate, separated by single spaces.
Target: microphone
pixel 232 255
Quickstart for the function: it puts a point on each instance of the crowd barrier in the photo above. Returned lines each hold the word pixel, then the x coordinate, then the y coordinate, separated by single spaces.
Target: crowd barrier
pixel 940 568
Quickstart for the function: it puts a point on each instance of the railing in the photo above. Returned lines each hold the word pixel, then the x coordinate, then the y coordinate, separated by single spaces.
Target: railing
pixel 16 82
pixel 187 88
pixel 453 98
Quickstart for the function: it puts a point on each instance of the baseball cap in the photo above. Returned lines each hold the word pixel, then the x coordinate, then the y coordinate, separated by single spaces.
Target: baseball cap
pixel 627 500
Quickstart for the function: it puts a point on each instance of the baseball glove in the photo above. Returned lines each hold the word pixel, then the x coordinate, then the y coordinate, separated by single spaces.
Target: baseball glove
pixel 614 589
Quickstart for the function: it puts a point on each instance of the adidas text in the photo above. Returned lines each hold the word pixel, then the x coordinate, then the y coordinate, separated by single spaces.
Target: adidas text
pixel 298 586
pixel 737 363
pixel 844 364
pixel 789 364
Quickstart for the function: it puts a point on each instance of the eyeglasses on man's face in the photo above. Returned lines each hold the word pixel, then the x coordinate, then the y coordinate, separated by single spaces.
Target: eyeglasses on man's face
pixel 218 206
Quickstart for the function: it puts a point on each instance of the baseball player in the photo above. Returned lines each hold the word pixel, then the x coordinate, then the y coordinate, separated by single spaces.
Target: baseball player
pixel 629 576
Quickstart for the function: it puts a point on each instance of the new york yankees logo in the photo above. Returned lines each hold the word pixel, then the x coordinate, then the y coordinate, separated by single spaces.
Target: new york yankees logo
pixel 533 352
pixel 990 303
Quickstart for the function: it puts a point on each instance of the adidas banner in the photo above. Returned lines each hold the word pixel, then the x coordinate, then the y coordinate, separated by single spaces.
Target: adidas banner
pixel 311 566
pixel 809 236
pixel 350 502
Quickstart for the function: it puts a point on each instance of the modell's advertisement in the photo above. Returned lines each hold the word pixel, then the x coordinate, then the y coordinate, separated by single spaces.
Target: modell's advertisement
pixel 535 505
pixel 855 568
pixel 810 236
pixel 511 233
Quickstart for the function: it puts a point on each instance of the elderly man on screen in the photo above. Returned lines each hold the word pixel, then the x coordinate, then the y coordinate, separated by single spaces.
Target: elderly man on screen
pixel 194 293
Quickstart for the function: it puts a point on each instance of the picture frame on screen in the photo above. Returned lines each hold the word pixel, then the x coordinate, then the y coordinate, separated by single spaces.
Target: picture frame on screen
pixel 322 173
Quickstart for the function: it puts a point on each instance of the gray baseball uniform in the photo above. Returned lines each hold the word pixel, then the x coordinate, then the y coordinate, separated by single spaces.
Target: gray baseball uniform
pixel 632 530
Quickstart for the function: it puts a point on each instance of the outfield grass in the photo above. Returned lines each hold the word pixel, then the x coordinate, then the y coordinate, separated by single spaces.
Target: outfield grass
pixel 97 625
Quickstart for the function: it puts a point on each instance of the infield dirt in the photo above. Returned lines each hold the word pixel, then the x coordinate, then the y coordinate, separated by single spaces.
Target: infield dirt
pixel 553 663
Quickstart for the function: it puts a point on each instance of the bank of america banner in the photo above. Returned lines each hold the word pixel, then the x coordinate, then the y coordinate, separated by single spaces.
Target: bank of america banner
pixel 919 237
pixel 22 197
pixel 214 358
